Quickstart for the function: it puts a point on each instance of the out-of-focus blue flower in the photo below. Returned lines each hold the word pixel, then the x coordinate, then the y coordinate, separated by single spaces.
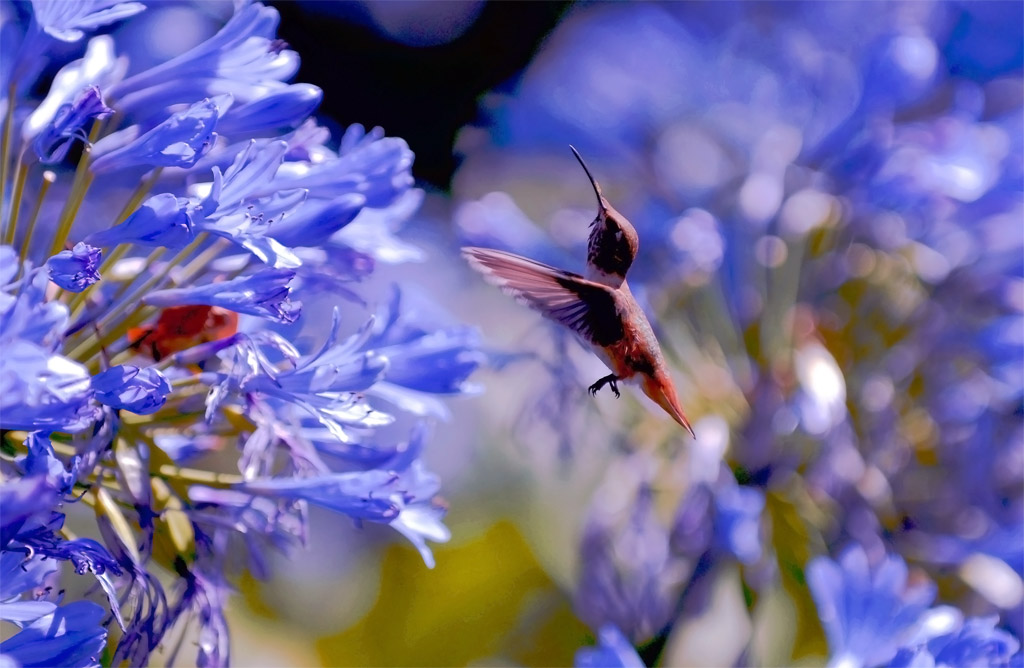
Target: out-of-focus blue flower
pixel 206 592
pixel 53 143
pixel 629 577
pixel 141 391
pixel 868 612
pixel 21 574
pixel 975 643
pixel 70 635
pixel 24 312
pixel 38 388
pixel 278 111
pixel 43 391
pixel 41 459
pixel 69 21
pixel 419 25
pixel 30 548
pixel 264 294
pixel 228 146
pixel 24 499
pixel 693 526
pixel 98 68
pixel 241 60
pixel 613 651
pixel 738 522
pixel 75 269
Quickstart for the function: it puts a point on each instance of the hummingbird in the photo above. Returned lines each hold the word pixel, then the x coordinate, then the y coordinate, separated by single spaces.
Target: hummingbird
pixel 597 307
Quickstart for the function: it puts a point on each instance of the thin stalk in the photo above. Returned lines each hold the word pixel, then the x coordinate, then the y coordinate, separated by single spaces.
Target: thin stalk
pixel 115 300
pixel 155 279
pixel 79 187
pixel 77 302
pixel 121 250
pixel 196 475
pixel 20 175
pixel 122 289
pixel 179 383
pixel 782 296
pixel 5 143
pixel 92 344
pixel 201 261
pixel 48 180
pixel 87 351
pixel 139 194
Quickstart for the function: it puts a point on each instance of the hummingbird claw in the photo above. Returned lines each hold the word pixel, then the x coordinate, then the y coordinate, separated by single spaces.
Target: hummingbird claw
pixel 607 380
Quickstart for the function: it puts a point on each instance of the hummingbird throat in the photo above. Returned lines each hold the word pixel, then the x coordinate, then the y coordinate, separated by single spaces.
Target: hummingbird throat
pixel 609 251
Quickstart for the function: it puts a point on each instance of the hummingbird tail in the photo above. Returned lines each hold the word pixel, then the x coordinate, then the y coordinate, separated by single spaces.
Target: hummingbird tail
pixel 662 392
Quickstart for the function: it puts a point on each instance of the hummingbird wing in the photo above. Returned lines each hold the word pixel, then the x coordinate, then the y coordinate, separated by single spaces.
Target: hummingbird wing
pixel 589 309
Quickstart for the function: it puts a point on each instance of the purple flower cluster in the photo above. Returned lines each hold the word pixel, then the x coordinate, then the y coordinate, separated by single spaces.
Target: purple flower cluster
pixel 163 227
pixel 829 205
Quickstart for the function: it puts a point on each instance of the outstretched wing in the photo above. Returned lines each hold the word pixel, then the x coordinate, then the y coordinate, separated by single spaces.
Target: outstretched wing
pixel 587 308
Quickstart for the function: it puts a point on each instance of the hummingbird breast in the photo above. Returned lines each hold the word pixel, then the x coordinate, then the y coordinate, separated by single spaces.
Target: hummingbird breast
pixel 637 352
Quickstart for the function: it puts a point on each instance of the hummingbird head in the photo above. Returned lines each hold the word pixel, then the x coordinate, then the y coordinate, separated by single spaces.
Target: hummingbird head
pixel 613 242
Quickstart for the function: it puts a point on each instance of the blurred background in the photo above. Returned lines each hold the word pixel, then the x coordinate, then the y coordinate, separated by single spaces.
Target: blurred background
pixel 829 203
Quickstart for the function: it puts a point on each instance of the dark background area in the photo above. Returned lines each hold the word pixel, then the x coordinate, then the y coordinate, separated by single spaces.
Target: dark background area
pixel 422 94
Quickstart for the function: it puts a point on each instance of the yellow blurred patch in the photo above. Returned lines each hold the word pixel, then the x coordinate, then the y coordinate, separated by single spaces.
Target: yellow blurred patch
pixel 487 602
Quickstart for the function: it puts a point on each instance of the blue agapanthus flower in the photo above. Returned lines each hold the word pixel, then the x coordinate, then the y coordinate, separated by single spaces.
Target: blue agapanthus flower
pixel 613 651
pixel 51 631
pixel 75 269
pixel 828 203
pixel 873 616
pixel 868 613
pixel 150 302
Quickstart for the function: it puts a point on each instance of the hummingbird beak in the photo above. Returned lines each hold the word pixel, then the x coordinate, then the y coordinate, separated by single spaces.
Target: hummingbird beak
pixel 602 203
pixel 662 392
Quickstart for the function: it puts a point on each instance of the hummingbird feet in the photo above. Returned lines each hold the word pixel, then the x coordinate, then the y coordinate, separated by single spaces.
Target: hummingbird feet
pixel 610 379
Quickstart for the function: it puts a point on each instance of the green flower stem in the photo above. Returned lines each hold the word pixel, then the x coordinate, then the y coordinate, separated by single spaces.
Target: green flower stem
pixel 711 302
pixel 139 194
pixel 202 261
pixel 48 180
pixel 196 266
pixel 781 297
pixel 78 305
pixel 129 284
pixel 171 472
pixel 79 187
pixel 5 149
pixel 180 383
pixel 20 175
pixel 154 280
pixel 92 344
pixel 104 347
